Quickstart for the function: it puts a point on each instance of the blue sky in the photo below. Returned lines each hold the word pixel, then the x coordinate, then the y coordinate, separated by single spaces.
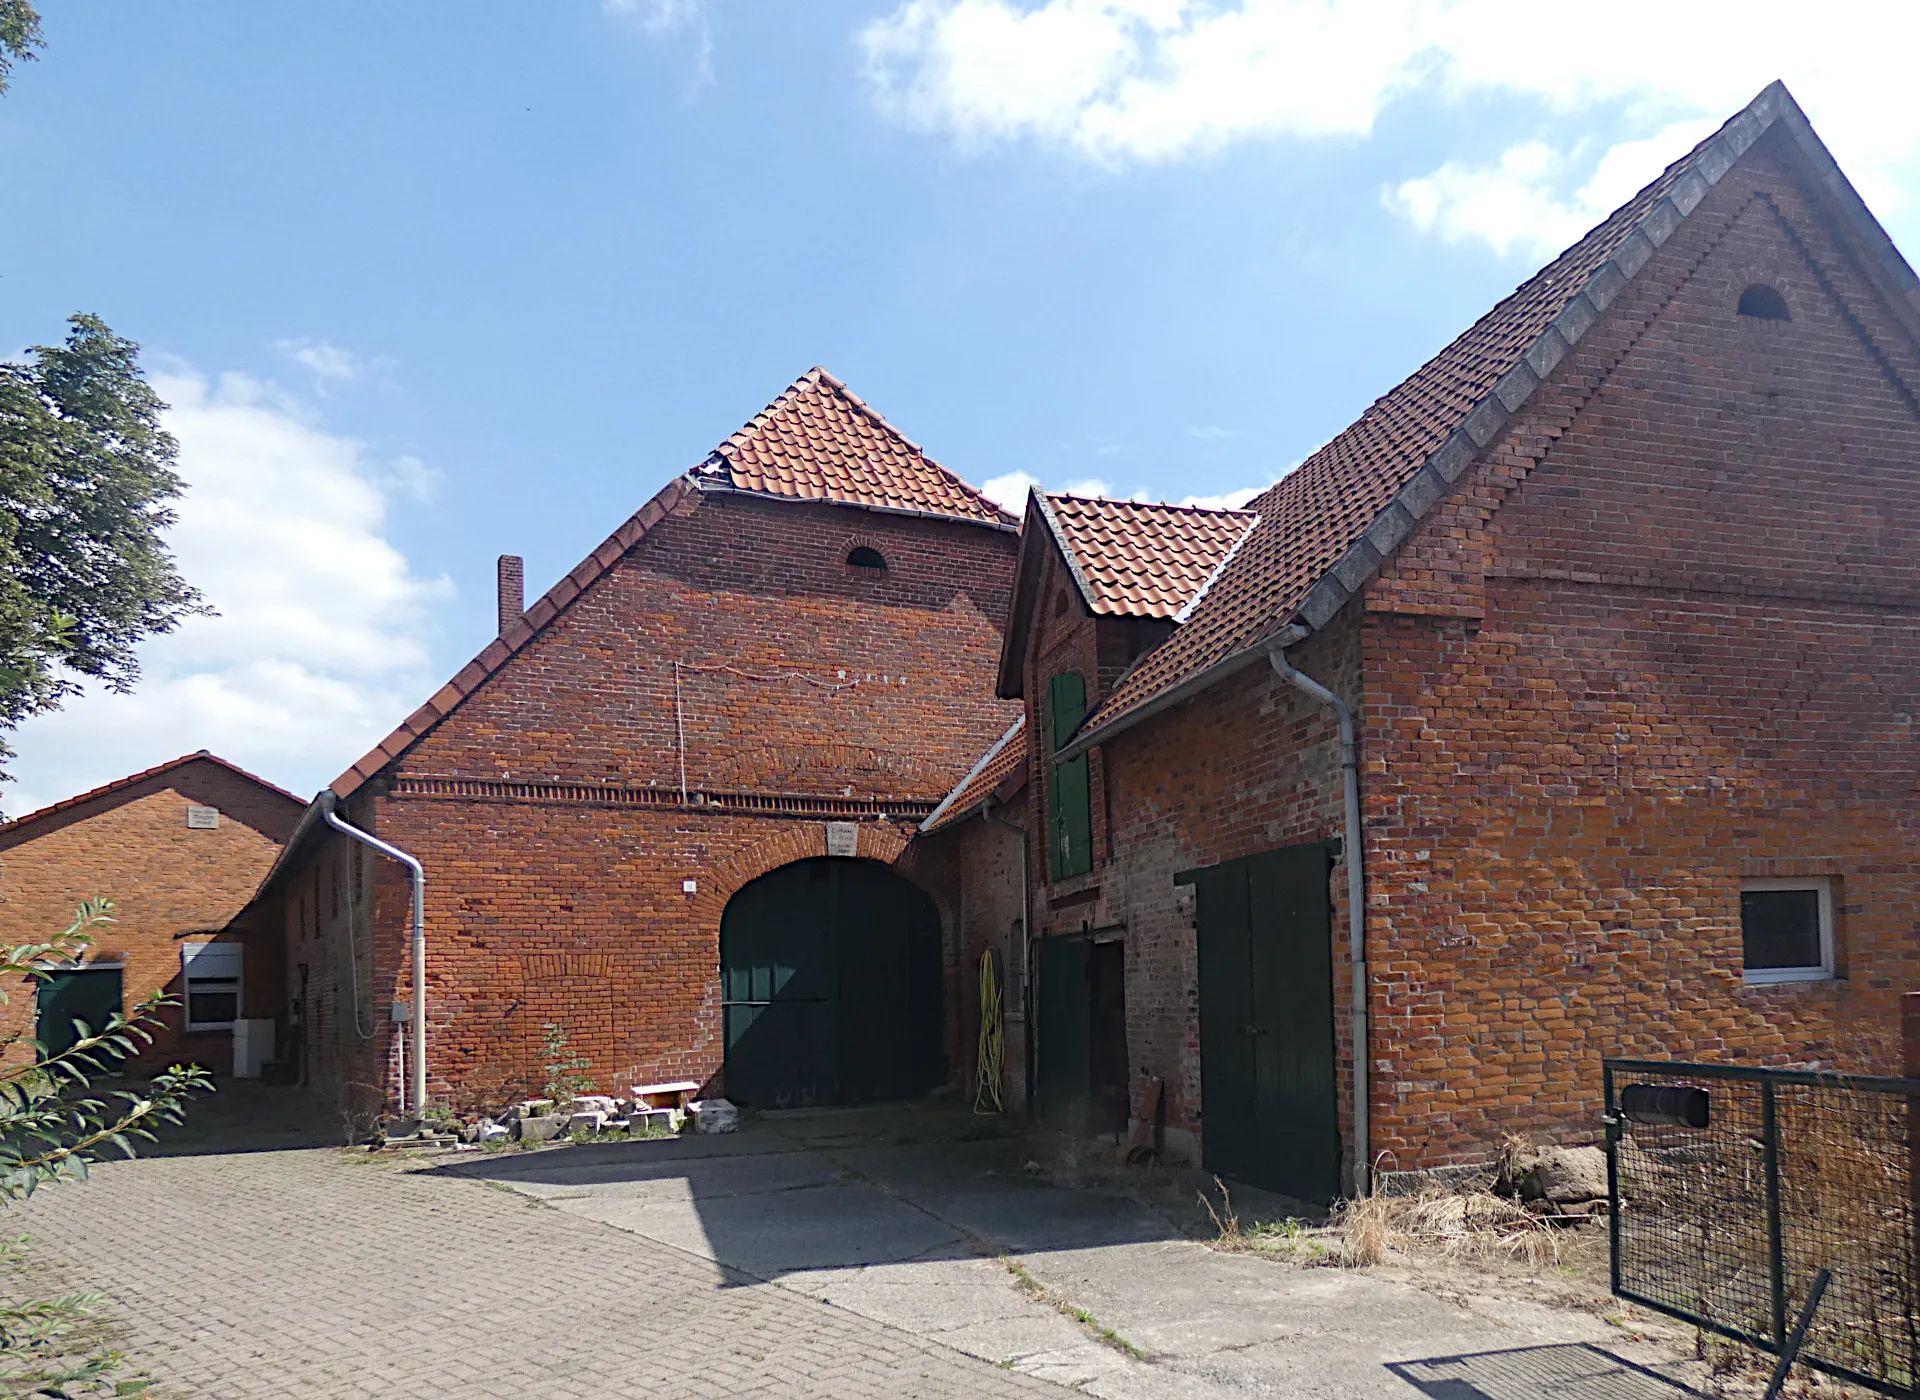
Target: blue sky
pixel 427 286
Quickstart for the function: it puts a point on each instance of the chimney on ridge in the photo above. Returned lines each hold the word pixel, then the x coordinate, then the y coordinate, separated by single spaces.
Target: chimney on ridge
pixel 512 575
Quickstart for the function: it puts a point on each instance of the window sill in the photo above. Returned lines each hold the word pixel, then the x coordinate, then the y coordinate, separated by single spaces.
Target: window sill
pixel 1787 977
pixel 1075 884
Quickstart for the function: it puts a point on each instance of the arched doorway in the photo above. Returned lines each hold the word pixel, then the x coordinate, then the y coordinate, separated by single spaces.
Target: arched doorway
pixel 830 986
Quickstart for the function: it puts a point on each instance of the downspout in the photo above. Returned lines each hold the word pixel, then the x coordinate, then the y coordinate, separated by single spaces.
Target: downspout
pixel 1026 955
pixel 418 876
pixel 1356 908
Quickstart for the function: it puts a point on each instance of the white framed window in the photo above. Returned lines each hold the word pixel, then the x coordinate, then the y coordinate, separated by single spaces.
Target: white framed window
pixel 211 973
pixel 1786 930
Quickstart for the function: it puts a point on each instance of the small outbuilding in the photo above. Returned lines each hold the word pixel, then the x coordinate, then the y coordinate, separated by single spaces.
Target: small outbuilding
pixel 179 849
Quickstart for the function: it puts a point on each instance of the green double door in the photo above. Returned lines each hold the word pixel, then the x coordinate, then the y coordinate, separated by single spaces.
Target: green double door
pixel 830 987
pixel 1269 1114
pixel 91 995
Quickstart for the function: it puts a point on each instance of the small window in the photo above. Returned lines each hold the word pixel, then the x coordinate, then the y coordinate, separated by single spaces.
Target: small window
pixel 866 557
pixel 1786 927
pixel 211 972
pixel 1764 303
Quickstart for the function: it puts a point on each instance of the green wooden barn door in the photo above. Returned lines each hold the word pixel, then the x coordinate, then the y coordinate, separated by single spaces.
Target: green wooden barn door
pixel 830 978
pixel 1269 1113
pixel 91 995
pixel 1064 1070
pixel 780 993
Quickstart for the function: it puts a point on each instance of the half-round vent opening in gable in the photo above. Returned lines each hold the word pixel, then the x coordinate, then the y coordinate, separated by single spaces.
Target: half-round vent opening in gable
pixel 1764 303
pixel 866 557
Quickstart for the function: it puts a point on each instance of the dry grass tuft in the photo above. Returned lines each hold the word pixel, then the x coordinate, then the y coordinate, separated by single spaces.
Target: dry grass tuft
pixel 1472 1225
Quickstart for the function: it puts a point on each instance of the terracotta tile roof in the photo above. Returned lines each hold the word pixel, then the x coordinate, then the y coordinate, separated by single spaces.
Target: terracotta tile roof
pixel 816 441
pixel 820 442
pixel 1139 559
pixel 1327 525
pixel 1007 757
pixel 202 756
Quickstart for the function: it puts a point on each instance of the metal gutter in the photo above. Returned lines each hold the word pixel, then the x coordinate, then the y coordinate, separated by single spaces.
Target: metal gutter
pixel 978 768
pixel 1352 852
pixel 418 875
pixel 1231 664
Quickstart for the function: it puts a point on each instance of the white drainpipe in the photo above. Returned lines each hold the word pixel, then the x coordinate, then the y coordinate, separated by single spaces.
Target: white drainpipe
pixel 419 878
pixel 1356 908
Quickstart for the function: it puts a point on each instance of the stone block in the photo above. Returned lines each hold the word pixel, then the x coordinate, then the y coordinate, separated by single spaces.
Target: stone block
pixel 539 1128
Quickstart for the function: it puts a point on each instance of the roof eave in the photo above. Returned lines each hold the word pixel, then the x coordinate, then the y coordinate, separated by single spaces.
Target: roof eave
pixel 1490 416
pixel 939 813
pixel 1231 664
pixel 1005 527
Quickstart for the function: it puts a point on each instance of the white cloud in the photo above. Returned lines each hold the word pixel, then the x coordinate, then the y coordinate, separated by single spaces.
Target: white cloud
pixel 326 361
pixel 1229 500
pixel 1213 434
pixel 1089 486
pixel 321 642
pixel 659 16
pixel 413 478
pixel 1146 80
pixel 1009 492
pixel 1519 203
pixel 663 17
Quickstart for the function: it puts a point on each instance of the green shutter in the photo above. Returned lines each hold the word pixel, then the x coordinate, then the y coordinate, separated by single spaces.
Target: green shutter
pixel 1069 805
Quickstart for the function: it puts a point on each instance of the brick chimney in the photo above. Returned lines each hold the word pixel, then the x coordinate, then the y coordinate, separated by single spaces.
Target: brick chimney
pixel 512 574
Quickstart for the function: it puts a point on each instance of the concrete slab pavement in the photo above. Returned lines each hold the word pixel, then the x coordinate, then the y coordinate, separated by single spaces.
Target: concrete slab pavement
pixel 921 1221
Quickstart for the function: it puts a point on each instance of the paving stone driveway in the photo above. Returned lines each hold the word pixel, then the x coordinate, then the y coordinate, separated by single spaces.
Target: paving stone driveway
pixel 315 1273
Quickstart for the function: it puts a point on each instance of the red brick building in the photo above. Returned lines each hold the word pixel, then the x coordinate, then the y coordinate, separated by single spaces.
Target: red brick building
pixel 667 810
pixel 1620 589
pixel 179 849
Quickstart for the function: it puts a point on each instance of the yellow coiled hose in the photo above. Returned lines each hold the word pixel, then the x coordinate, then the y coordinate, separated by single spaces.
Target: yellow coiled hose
pixel 986 1094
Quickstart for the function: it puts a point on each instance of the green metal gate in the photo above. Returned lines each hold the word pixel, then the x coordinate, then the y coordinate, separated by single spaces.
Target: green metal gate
pixel 830 987
pixel 91 995
pixel 1269 1113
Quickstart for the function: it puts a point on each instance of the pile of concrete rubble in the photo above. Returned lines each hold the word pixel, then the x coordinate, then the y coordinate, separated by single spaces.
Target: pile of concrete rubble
pixel 543 1120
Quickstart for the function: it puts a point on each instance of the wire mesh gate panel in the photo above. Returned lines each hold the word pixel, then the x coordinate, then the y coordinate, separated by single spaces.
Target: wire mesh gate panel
pixel 1725 1220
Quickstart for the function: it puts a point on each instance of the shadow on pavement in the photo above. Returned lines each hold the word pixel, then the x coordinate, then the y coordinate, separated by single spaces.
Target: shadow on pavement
pixel 242 1115
pixel 824 1189
pixel 1567 1371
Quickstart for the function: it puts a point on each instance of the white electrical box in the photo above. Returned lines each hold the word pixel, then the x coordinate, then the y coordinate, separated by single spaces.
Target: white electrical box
pixel 252 1047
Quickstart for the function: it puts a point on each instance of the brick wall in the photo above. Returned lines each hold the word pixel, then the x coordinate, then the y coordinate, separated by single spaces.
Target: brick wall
pixel 167 881
pixel 1661 639
pixel 1247 766
pixel 547 808
pixel 989 913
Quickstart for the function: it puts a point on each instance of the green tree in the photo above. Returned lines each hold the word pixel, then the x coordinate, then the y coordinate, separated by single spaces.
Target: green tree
pixel 19 35
pixel 86 472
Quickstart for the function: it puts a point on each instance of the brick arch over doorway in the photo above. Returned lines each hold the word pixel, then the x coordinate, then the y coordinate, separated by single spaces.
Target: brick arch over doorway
pixel 879 841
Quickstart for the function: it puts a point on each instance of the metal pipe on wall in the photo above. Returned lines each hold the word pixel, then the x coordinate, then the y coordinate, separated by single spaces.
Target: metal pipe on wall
pixel 418 876
pixel 1356 906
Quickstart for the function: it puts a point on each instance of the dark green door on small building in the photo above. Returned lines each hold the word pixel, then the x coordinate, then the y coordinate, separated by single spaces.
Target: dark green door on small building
pixel 1063 1058
pixel 90 994
pixel 831 987
pixel 1268 1109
